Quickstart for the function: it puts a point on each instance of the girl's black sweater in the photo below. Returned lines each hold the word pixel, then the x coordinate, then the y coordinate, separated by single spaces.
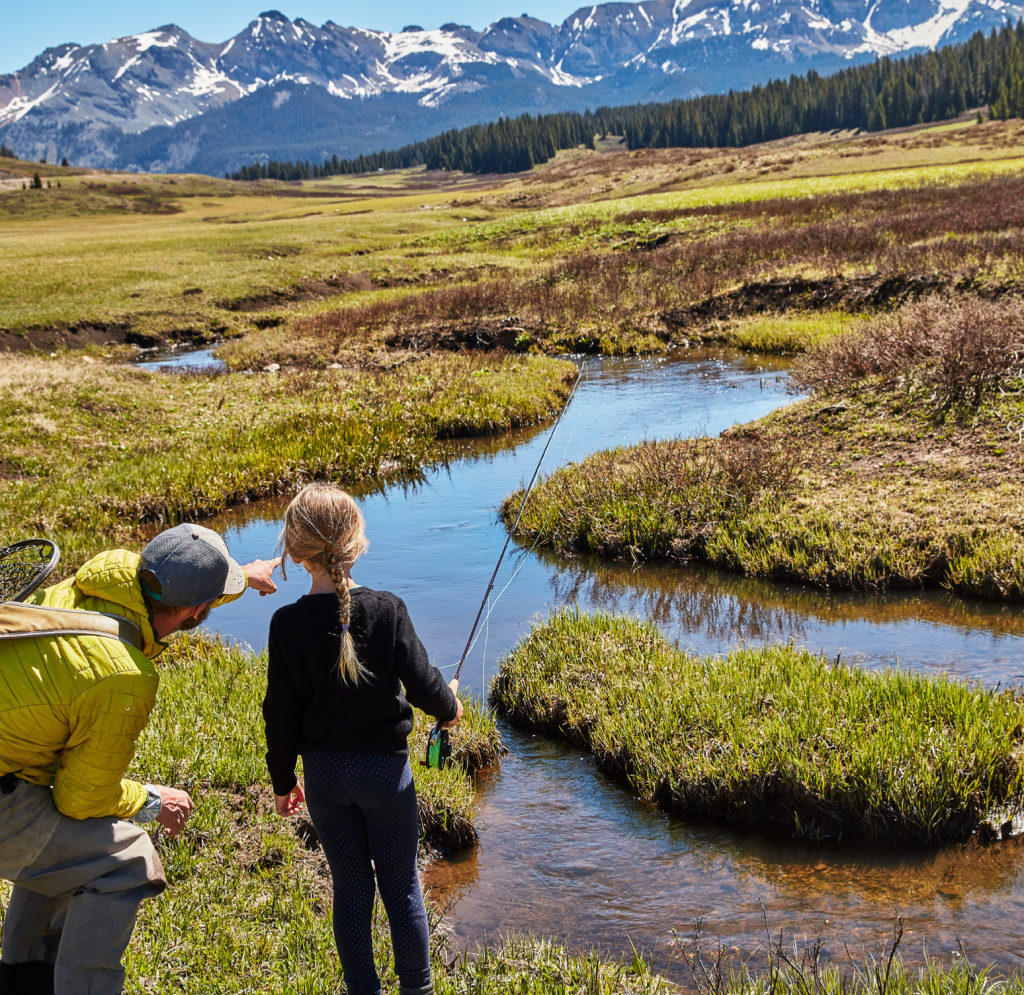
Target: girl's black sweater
pixel 309 709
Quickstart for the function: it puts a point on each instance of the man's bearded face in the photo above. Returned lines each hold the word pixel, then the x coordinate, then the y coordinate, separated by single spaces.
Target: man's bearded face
pixel 193 623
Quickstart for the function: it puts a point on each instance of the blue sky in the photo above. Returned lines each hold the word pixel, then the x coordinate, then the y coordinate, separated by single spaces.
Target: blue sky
pixel 29 29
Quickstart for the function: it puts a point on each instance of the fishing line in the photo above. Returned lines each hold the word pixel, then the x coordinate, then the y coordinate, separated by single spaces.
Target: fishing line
pixel 540 532
pixel 438 745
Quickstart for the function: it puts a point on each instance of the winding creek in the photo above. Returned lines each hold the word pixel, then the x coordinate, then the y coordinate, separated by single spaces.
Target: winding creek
pixel 565 852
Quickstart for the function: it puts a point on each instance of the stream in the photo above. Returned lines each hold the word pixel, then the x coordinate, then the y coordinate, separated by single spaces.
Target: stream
pixel 566 852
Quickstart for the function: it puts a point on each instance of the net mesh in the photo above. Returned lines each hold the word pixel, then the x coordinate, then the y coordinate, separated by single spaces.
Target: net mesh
pixel 23 566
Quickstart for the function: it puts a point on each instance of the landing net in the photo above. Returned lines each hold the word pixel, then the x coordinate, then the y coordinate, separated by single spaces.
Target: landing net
pixel 24 566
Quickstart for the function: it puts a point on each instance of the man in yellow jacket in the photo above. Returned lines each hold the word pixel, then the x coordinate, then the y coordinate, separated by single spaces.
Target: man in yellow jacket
pixel 73 700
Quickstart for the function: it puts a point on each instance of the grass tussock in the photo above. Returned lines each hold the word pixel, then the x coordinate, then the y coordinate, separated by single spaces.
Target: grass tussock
pixel 779 334
pixel 159 448
pixel 903 470
pixel 772 735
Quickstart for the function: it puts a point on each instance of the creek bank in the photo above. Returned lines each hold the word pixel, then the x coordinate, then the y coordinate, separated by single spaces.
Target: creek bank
pixel 772 735
pixel 152 448
pixel 902 471
pixel 96 334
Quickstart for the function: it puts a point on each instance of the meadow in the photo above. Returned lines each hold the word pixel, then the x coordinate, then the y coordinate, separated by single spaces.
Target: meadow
pixel 595 251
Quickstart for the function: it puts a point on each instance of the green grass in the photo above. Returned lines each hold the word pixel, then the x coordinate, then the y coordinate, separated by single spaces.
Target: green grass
pixel 159 448
pixel 773 735
pixel 893 526
pixel 776 334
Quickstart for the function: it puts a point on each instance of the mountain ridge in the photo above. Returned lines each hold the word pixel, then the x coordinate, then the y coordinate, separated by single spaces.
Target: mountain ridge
pixel 140 101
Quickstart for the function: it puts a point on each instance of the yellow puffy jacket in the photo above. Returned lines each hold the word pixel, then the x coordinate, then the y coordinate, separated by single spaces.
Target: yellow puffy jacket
pixel 71 707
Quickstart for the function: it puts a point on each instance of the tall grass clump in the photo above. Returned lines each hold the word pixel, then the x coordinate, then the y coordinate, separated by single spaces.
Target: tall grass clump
pixel 655 500
pixel 773 735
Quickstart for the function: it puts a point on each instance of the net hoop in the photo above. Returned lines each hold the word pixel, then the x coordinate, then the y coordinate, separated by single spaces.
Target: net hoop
pixel 25 565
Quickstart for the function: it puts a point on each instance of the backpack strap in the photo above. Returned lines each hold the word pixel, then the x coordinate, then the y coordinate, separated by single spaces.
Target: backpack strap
pixel 21 621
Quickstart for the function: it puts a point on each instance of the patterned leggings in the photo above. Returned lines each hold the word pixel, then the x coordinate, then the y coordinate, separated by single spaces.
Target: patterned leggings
pixel 364 808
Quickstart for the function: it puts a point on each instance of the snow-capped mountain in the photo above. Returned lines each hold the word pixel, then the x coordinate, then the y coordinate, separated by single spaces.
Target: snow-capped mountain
pixel 96 103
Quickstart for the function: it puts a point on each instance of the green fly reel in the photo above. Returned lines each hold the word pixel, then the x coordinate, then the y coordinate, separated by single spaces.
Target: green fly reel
pixel 439 749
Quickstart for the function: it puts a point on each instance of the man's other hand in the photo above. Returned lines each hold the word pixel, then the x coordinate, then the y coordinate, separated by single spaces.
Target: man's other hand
pixel 290 803
pixel 177 807
pixel 259 573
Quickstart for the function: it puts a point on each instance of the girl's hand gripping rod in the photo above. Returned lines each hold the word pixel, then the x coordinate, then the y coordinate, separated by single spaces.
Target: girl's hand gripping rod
pixel 439 748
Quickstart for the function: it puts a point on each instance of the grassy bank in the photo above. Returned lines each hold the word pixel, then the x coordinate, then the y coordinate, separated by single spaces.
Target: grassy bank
pixel 92 453
pixel 771 736
pixel 903 470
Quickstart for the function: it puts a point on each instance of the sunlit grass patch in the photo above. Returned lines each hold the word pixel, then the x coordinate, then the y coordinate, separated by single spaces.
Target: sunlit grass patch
pixel 772 735
pixel 777 333
pixel 159 448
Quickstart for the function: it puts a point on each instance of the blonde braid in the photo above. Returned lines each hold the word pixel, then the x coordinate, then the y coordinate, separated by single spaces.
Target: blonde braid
pixel 350 670
pixel 323 525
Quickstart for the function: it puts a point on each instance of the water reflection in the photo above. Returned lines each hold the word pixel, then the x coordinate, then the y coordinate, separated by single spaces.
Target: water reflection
pixel 191 359
pixel 566 852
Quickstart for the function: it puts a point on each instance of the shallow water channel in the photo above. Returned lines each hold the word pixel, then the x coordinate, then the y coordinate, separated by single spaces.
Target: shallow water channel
pixel 565 852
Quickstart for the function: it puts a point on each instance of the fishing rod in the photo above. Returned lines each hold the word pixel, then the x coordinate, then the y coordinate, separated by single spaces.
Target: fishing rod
pixel 439 748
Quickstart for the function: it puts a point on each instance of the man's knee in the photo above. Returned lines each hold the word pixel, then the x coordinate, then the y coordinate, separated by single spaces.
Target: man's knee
pixel 137 868
pixel 98 855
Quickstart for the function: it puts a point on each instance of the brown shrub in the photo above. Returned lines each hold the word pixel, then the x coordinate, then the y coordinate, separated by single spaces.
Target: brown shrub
pixel 964 349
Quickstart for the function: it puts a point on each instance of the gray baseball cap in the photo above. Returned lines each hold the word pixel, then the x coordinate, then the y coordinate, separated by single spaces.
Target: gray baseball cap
pixel 192 565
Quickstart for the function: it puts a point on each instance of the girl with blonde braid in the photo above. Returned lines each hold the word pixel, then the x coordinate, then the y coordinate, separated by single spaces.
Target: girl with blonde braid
pixel 345 669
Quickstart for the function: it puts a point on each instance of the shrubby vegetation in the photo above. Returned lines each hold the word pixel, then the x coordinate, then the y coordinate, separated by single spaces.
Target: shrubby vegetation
pixel 844 251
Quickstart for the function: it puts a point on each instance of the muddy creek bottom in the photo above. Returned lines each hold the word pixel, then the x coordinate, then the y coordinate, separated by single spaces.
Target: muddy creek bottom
pixel 567 853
